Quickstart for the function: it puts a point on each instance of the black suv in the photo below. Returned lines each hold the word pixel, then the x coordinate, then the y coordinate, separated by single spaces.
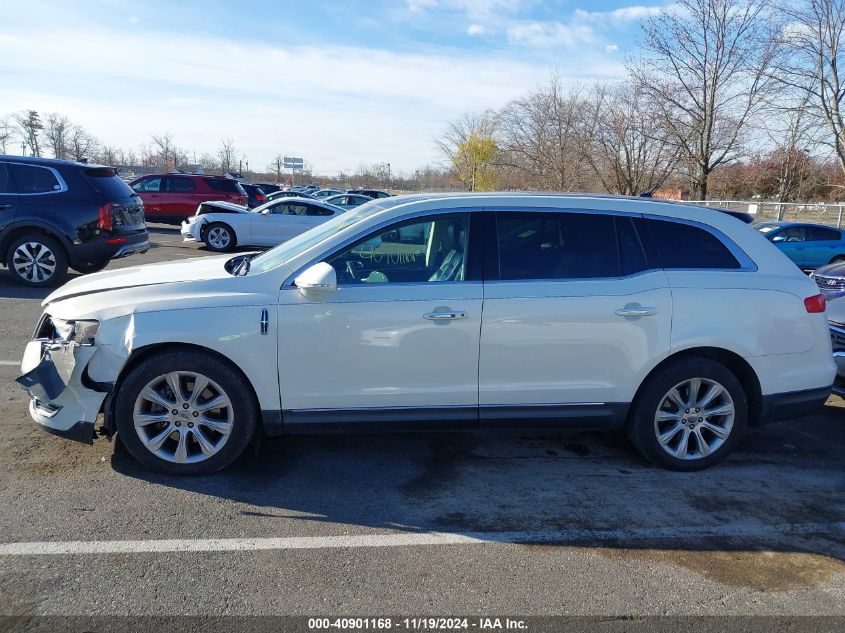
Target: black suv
pixel 57 213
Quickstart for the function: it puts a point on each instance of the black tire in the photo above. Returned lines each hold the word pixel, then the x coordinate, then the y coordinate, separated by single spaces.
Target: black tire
pixel 91 267
pixel 837 260
pixel 222 229
pixel 643 429
pixel 53 259
pixel 237 389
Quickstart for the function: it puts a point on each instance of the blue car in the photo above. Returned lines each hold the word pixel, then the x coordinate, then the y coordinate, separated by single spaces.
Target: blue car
pixel 808 245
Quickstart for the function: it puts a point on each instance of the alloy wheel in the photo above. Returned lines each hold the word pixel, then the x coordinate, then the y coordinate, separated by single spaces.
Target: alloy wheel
pixel 34 262
pixel 694 419
pixel 183 417
pixel 219 237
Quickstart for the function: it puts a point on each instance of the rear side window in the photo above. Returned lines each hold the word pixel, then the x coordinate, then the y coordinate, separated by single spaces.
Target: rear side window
pixel 106 181
pixel 148 185
pixel 179 185
pixel 6 184
pixel 224 185
pixel 685 246
pixel 312 209
pixel 821 234
pixel 34 179
pixel 559 246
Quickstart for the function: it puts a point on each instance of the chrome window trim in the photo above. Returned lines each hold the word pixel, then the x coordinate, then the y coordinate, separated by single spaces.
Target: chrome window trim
pixel 62 184
pixel 288 282
pixel 569 280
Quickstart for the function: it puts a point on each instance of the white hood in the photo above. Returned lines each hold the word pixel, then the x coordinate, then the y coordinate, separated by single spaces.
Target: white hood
pixel 193 269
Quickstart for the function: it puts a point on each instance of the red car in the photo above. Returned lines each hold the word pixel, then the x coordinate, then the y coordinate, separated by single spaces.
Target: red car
pixel 170 198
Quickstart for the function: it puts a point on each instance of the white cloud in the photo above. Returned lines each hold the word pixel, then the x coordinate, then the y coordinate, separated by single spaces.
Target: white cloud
pixel 474 9
pixel 337 106
pixel 611 48
pixel 621 15
pixel 476 29
pixel 546 34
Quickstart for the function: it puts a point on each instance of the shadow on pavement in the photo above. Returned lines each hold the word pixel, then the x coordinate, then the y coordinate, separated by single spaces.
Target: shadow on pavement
pixel 500 483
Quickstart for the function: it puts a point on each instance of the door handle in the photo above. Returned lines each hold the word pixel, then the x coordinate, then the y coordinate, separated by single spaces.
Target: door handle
pixel 636 312
pixel 444 316
pixel 5 206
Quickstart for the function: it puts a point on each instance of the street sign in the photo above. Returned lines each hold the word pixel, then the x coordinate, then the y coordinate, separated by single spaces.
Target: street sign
pixel 292 162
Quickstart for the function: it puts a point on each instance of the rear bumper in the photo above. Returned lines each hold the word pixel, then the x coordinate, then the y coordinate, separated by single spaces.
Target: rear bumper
pixel 53 375
pixel 112 246
pixel 793 404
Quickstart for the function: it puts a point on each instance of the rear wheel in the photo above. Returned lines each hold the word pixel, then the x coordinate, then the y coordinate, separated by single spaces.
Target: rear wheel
pixel 37 260
pixel 689 415
pixel 219 237
pixel 185 413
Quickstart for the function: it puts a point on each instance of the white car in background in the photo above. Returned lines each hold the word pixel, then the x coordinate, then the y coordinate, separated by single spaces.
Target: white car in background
pixel 681 325
pixel 223 225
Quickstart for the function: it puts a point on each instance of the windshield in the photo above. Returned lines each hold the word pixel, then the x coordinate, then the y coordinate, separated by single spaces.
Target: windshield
pixel 283 252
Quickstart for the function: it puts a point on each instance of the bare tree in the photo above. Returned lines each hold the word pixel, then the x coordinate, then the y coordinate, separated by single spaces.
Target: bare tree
pixel 109 155
pixel 814 39
pixel 277 166
pixel 5 134
pixel 540 136
pixel 82 143
pixel 57 133
pixel 29 127
pixel 227 155
pixel 208 162
pixel 166 150
pixel 626 145
pixel 706 63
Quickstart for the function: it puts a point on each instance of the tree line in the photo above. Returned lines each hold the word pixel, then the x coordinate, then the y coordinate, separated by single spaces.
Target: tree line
pixel 733 98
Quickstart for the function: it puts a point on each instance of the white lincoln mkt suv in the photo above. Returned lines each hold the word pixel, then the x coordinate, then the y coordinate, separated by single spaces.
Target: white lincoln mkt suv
pixel 680 325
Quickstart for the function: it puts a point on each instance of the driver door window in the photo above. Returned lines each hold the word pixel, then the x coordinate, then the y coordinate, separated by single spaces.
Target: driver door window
pixel 790 234
pixel 433 249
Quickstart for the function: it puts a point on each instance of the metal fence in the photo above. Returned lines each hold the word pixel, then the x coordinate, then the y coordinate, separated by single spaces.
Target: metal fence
pixel 817 213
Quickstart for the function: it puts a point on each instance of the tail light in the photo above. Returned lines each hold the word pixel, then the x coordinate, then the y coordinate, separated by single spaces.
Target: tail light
pixel 105 220
pixel 259 197
pixel 815 304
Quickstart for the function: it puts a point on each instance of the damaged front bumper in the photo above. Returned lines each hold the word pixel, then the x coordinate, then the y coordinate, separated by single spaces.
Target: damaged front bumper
pixel 63 399
pixel 191 231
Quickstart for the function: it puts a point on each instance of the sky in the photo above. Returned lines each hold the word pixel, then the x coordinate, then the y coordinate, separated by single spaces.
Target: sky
pixel 338 83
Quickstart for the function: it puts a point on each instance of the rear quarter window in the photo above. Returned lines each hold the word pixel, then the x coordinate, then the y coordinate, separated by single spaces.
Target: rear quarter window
pixel 685 246
pixel 223 185
pixel 105 181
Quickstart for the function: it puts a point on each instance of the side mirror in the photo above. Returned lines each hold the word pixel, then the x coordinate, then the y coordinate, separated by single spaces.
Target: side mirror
pixel 319 278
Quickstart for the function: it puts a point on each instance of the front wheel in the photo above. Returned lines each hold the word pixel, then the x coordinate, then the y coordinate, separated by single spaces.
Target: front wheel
pixel 219 237
pixel 185 413
pixel 689 415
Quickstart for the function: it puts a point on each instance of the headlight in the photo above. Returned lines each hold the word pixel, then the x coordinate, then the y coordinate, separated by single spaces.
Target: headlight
pixel 82 332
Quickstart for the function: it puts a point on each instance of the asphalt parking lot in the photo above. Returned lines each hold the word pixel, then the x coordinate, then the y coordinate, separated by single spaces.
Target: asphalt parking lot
pixel 469 523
